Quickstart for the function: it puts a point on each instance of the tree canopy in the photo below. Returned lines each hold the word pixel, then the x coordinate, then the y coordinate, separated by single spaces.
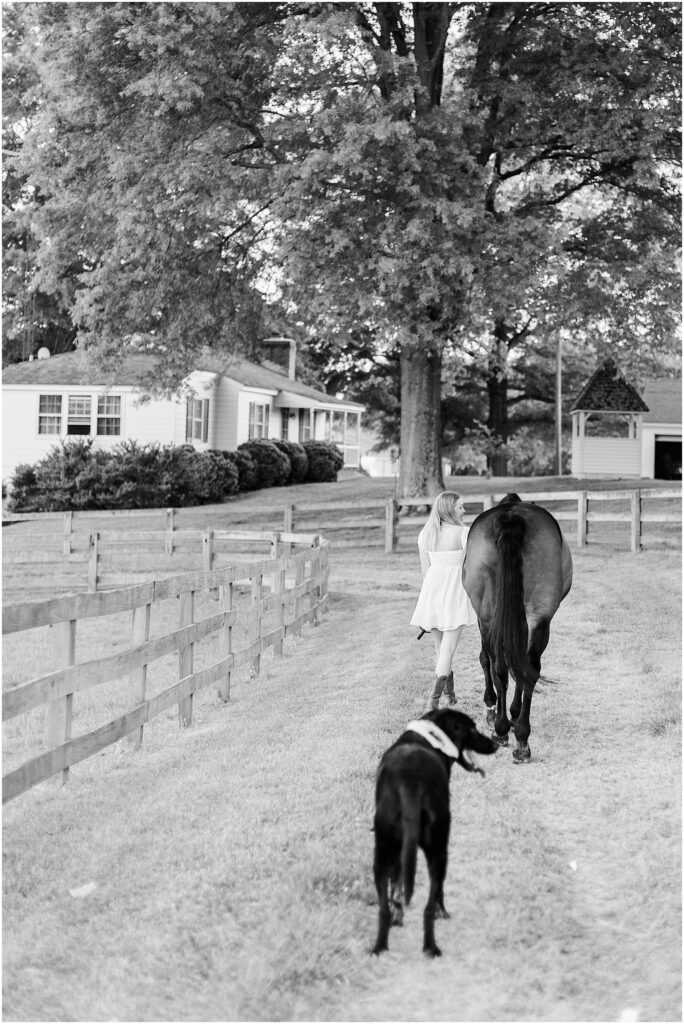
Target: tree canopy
pixel 410 182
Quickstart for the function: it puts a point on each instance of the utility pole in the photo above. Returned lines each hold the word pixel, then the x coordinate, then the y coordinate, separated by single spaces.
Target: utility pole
pixel 559 407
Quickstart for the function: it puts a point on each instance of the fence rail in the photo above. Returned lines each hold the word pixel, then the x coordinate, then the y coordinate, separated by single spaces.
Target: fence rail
pixel 66 678
pixel 581 514
pixel 376 522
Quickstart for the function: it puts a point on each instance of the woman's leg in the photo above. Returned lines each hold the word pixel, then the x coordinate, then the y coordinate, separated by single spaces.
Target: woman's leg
pixel 437 640
pixel 447 649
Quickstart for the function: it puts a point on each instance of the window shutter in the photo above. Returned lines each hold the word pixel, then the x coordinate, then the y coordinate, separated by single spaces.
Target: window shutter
pixel 205 419
pixel 266 415
pixel 188 420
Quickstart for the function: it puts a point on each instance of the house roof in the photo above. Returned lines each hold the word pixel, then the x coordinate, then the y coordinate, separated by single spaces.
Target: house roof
pixel 76 368
pixel 664 400
pixel 608 391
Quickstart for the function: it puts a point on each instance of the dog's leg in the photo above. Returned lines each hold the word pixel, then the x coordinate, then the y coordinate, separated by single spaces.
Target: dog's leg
pixel 396 895
pixel 385 856
pixel 437 863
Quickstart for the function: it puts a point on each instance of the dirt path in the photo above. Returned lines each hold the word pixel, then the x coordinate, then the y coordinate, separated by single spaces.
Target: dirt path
pixel 234 864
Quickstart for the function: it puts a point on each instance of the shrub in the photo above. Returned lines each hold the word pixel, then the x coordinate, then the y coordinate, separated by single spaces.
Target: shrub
pixel 325 460
pixel 299 460
pixel 23 493
pixel 274 465
pixel 247 470
pixel 219 476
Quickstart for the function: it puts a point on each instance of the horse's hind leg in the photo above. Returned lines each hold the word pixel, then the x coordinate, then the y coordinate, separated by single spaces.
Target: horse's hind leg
pixel 516 703
pixel 489 691
pixel 502 724
pixel 539 638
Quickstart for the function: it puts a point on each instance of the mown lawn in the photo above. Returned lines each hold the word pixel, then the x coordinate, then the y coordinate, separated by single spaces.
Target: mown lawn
pixel 232 860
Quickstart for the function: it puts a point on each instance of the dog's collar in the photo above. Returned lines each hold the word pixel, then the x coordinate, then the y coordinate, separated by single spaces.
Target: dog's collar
pixel 435 737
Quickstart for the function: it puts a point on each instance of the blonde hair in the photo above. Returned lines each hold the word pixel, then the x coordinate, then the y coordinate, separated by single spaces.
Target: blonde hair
pixel 443 511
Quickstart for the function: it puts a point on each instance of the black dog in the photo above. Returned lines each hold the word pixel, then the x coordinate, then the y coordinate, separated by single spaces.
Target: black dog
pixel 412 810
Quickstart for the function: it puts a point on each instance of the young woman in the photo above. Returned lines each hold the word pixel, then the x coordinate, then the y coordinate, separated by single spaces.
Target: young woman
pixel 443 606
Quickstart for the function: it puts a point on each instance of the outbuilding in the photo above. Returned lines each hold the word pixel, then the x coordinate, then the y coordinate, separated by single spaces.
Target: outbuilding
pixel 223 404
pixel 617 432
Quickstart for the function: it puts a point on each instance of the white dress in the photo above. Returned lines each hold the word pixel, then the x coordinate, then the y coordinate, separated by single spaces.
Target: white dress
pixel 443 602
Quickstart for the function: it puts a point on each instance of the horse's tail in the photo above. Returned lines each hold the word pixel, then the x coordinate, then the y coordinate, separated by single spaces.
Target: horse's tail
pixel 410 834
pixel 508 631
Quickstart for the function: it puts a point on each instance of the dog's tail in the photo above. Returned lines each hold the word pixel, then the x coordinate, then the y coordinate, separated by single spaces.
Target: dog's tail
pixel 410 832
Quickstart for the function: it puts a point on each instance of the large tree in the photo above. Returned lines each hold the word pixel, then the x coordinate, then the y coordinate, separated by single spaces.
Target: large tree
pixel 381 171
pixel 473 176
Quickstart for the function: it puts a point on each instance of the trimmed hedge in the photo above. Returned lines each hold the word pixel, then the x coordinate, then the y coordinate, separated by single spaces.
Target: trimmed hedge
pixel 299 460
pixel 274 465
pixel 73 476
pixel 325 461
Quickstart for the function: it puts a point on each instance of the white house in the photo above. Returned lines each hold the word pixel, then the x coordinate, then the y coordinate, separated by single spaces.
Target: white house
pixel 617 432
pixel 231 401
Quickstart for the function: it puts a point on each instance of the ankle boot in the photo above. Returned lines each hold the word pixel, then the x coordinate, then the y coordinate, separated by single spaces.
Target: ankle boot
pixel 433 702
pixel 450 694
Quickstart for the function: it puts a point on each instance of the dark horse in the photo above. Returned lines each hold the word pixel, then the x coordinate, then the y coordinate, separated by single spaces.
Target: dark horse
pixel 517 569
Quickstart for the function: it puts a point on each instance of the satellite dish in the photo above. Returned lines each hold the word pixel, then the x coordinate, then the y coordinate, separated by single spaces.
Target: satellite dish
pixel 43 353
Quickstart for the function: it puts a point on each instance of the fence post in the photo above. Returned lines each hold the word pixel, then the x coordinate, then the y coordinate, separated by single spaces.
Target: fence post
pixel 138 678
pixel 208 550
pixel 487 502
pixel 279 590
pixel 66 537
pixel 92 562
pixel 185 656
pixel 226 638
pixel 288 519
pixel 170 517
pixel 315 571
pixel 63 643
pixel 635 532
pixel 300 572
pixel 256 619
pixel 275 551
pixel 391 517
pixel 582 525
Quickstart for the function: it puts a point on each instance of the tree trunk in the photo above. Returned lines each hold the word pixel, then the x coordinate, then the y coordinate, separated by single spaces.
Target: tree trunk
pixel 497 389
pixel 421 390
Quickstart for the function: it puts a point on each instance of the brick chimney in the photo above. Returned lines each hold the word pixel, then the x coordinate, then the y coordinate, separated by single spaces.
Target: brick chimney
pixel 282 353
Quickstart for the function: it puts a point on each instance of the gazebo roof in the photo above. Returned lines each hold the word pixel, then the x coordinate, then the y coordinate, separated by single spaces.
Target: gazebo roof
pixel 608 391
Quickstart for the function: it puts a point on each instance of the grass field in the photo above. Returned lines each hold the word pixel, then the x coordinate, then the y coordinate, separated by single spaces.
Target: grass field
pixel 232 860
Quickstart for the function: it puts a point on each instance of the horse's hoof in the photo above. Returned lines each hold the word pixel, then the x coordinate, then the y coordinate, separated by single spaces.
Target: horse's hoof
pixel 522 754
pixel 443 913
pixel 432 951
pixel 501 740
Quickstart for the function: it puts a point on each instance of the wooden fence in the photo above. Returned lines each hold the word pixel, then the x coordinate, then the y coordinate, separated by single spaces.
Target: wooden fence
pixel 633 510
pixel 308 585
pixel 68 538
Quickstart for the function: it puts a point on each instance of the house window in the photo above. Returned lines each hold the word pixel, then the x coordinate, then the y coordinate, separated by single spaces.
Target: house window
pixel 284 423
pixel 78 414
pixel 305 424
pixel 197 420
pixel 258 420
pixel 50 414
pixel 109 414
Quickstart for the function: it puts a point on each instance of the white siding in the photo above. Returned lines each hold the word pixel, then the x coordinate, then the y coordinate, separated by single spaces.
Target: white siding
pixel 152 422
pixel 606 456
pixel 227 398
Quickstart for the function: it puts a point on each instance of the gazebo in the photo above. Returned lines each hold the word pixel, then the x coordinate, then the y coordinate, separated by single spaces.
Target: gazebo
pixel 616 450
